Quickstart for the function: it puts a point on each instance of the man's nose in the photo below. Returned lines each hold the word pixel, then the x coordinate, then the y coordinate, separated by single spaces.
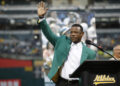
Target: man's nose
pixel 73 34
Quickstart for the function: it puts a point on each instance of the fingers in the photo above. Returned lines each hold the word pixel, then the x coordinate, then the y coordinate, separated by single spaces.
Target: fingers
pixel 41 4
pixel 41 8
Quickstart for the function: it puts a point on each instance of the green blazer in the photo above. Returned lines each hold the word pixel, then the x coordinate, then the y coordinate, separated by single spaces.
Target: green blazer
pixel 61 48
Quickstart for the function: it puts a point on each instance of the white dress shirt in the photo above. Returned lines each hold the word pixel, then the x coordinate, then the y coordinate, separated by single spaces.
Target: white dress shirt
pixel 73 61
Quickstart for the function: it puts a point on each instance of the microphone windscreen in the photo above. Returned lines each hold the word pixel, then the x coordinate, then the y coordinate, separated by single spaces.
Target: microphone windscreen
pixel 88 42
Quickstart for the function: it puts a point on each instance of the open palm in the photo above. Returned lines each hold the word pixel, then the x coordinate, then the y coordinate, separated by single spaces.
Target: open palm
pixel 41 9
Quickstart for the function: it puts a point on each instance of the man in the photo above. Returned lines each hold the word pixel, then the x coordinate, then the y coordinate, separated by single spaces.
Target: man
pixel 69 53
pixel 116 52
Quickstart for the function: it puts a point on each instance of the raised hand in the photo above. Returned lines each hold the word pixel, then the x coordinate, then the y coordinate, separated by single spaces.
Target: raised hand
pixel 41 9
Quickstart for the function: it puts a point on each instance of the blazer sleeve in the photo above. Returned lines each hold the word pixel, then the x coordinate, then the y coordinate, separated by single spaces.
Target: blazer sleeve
pixel 47 32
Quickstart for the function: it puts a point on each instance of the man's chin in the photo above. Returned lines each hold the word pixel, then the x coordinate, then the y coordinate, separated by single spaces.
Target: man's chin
pixel 74 41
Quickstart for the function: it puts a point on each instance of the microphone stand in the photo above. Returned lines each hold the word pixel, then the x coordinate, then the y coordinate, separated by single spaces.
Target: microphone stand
pixel 104 51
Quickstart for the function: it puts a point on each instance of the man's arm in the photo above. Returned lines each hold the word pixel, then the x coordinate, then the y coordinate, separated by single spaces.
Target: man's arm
pixel 43 24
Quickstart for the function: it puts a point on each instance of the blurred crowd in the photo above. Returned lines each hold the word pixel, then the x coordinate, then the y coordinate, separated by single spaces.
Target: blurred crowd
pixel 20 45
pixel 108 40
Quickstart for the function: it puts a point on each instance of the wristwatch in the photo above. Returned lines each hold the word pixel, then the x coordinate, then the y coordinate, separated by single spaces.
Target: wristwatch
pixel 41 18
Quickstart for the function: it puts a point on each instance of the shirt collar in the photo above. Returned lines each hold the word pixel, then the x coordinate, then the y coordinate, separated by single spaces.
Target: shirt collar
pixel 77 44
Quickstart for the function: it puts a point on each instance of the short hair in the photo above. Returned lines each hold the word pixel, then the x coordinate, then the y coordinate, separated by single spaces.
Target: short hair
pixel 78 25
pixel 116 47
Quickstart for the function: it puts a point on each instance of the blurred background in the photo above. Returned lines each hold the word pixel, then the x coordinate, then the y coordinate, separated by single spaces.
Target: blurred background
pixel 26 55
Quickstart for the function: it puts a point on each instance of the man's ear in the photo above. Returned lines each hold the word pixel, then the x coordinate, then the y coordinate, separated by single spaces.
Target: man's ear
pixel 82 33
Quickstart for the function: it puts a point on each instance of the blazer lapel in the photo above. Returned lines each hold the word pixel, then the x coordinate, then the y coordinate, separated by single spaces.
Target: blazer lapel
pixel 84 54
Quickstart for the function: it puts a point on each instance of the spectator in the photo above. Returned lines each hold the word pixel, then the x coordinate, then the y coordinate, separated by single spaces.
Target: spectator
pixel 71 19
pixel 65 31
pixel 92 34
pixel 85 28
pixel 54 17
pixel 116 52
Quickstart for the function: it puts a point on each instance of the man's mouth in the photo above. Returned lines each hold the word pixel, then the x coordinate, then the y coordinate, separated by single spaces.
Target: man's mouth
pixel 73 38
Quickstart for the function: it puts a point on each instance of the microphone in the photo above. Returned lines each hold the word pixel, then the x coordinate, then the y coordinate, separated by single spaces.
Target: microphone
pixel 91 43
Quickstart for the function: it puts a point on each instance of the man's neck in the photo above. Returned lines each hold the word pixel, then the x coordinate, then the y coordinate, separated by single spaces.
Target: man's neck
pixel 76 42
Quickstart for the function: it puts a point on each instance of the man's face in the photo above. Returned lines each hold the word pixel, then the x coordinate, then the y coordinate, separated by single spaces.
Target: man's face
pixel 117 53
pixel 76 34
